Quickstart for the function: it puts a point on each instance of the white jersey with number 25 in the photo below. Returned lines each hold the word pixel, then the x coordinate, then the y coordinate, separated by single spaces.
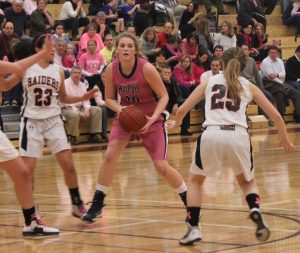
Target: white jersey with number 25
pixel 221 110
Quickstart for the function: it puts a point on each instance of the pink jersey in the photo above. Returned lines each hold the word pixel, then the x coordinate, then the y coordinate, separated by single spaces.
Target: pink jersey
pixel 134 89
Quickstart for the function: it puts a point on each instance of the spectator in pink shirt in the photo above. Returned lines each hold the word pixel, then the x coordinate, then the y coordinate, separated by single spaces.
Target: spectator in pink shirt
pixel 190 45
pixel 200 66
pixel 183 75
pixel 90 35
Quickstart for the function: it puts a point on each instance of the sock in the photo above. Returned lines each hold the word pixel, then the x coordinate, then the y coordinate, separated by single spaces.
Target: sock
pixel 193 214
pixel 102 188
pixel 253 200
pixel 27 213
pixel 183 198
pixel 75 196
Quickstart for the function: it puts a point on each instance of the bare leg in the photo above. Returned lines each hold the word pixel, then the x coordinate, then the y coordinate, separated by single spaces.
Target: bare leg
pixel 21 177
pixel 247 187
pixel 194 196
pixel 65 161
pixel 31 164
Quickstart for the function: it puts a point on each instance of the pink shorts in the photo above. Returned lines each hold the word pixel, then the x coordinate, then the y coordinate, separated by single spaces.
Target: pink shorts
pixel 155 140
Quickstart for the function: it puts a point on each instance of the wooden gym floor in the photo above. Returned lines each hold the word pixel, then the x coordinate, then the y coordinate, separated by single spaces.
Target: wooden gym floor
pixel 143 214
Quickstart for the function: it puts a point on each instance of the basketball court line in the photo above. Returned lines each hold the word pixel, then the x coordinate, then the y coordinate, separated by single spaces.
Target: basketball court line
pixel 264 205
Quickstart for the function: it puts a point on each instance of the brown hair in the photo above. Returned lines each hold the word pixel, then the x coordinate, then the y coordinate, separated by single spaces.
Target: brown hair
pixel 235 62
pixel 230 29
pixel 182 59
pixel 147 31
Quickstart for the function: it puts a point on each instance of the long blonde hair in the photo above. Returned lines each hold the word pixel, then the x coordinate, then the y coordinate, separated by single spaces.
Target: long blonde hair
pixel 133 38
pixel 235 62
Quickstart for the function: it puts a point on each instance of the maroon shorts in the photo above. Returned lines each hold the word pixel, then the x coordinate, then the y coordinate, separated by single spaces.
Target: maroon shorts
pixel 155 140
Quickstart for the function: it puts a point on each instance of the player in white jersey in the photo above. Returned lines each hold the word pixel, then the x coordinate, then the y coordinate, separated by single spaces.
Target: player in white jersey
pixel 9 159
pixel 41 121
pixel 227 96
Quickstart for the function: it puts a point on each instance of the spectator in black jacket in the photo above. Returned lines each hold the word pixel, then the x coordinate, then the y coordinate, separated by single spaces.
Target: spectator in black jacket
pixel 251 11
pixel 142 20
pixel 172 88
pixel 188 14
pixel 291 16
pixel 292 68
pixel 18 17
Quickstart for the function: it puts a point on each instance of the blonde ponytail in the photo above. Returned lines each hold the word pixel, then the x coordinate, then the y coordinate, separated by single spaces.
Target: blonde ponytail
pixel 235 62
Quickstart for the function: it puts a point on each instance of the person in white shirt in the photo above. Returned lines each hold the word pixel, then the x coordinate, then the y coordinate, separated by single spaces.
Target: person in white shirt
pixel 73 16
pixel 273 76
pixel 80 110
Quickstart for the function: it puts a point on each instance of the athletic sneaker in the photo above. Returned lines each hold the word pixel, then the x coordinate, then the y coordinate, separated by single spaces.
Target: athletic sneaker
pixel 37 228
pixel 96 208
pixel 192 235
pixel 262 231
pixel 78 211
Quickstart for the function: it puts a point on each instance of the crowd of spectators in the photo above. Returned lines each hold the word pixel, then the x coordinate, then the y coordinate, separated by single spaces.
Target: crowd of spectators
pixel 185 52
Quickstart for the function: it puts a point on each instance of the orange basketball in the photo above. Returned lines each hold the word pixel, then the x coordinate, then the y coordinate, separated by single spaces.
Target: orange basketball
pixel 132 119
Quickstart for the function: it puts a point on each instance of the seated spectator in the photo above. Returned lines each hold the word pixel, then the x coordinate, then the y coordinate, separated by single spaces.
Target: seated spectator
pixel 18 17
pixel 95 6
pixel 244 37
pixel 226 38
pixel 190 45
pixel 59 33
pixel 192 25
pixel 188 14
pixel 200 65
pixel 69 59
pixel 112 16
pixel 165 34
pixel 81 110
pixel 129 11
pixel 292 67
pixel 268 6
pixel 260 42
pixel 90 35
pixel 40 19
pixel 5 37
pixel 172 51
pixel 251 12
pixel 173 8
pixel 183 76
pixel 291 16
pixel 273 77
pixel 91 63
pixel 142 19
pixel 73 16
pixel 100 22
pixel 215 69
pixel 209 3
pixel 29 6
pixel 59 51
pixel 204 37
pixel 148 44
pixel 108 50
pixel 160 61
pixel 218 51
pixel 172 88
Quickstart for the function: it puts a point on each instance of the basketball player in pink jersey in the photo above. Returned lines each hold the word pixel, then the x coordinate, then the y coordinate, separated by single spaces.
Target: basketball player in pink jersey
pixel 138 83
pixel 9 159
pixel 225 136
pixel 41 121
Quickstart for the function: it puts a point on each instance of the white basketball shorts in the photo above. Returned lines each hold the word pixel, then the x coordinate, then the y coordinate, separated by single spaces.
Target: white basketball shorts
pixel 7 150
pixel 35 133
pixel 215 146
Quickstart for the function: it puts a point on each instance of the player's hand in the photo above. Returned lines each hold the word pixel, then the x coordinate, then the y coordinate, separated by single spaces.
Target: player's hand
pixel 150 121
pixel 48 44
pixel 90 94
pixel 169 124
pixel 288 146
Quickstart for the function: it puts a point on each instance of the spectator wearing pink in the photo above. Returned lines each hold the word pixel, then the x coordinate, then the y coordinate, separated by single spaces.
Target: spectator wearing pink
pixel 29 6
pixel 190 45
pixel 69 59
pixel 90 35
pixel 183 71
pixel 200 66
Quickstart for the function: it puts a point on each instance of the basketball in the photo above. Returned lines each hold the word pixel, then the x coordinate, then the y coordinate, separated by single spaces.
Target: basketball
pixel 132 119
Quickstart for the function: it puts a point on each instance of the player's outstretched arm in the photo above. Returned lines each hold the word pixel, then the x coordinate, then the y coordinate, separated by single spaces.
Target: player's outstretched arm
pixel 260 99
pixel 196 96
